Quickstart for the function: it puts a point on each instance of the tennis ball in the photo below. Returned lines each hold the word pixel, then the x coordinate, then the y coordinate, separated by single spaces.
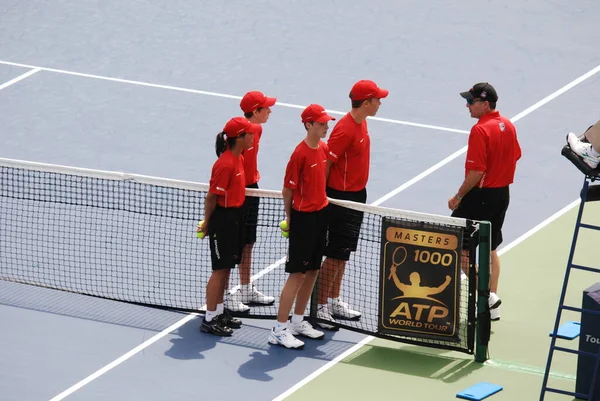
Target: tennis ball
pixel 284 229
pixel 200 234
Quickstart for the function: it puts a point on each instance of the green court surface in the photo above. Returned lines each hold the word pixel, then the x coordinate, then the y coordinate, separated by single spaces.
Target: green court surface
pixel 532 275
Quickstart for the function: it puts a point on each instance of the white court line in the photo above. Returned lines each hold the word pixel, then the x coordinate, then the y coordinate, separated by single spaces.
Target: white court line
pixel 223 95
pixel 463 150
pixel 366 339
pixel 424 174
pixel 19 78
pixel 124 357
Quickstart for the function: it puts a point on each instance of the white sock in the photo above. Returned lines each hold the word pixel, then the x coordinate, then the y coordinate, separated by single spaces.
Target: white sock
pixel 593 152
pixel 279 327
pixel 297 319
pixel 210 315
pixel 220 308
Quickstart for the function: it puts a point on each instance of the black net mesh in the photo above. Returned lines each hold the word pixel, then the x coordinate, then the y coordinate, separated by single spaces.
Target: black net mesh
pixel 132 238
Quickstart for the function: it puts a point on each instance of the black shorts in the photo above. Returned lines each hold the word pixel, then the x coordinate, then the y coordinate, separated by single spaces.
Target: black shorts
pixel 251 205
pixel 344 224
pixel 308 238
pixel 226 235
pixel 486 204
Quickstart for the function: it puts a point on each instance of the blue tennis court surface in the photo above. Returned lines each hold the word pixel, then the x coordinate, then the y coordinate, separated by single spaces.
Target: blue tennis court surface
pixel 143 87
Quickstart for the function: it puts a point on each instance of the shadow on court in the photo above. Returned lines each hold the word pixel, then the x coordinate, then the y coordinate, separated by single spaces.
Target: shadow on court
pixel 276 357
pixel 189 342
pixel 85 307
pixel 409 361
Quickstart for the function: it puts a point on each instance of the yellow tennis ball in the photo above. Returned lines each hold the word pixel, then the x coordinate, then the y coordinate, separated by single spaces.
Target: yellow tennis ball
pixel 200 234
pixel 284 229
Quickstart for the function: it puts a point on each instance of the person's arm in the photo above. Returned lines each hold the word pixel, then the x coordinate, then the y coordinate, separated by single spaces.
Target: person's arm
pixel 290 182
pixel 219 180
pixel 327 169
pixel 475 165
pixel 287 203
pixel 337 145
pixel 472 178
pixel 210 204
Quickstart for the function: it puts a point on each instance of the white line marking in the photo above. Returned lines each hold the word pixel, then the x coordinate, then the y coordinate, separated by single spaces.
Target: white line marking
pixel 539 226
pixel 356 347
pixel 19 78
pixel 124 357
pixel 368 339
pixel 323 368
pixel 223 95
pixel 516 118
pixel 519 116
pixel 419 177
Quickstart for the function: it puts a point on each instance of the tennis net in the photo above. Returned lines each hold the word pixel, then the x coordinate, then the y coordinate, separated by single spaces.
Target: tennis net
pixel 132 238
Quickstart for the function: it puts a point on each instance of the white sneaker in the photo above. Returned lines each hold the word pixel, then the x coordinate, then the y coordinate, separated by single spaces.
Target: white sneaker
pixel 285 338
pixel 323 313
pixel 494 301
pixel 232 302
pixel 342 310
pixel 495 314
pixel 305 329
pixel 583 150
pixel 253 296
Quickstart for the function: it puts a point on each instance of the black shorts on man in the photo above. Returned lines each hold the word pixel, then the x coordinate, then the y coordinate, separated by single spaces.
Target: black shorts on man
pixel 344 224
pixel 251 205
pixel 489 204
pixel 308 239
pixel 226 235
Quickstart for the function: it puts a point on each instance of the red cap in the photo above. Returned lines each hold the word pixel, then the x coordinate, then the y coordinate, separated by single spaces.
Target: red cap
pixel 238 125
pixel 315 113
pixel 255 99
pixel 366 90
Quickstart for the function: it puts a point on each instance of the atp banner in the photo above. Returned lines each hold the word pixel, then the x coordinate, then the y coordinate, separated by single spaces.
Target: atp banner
pixel 420 280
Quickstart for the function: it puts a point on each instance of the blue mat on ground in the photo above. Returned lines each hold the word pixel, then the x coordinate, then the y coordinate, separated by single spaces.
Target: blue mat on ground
pixel 568 330
pixel 479 391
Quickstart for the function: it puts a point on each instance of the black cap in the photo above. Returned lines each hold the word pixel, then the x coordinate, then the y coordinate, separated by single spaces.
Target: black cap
pixel 482 90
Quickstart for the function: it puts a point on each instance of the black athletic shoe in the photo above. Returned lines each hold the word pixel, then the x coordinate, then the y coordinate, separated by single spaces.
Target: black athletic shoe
pixel 215 327
pixel 229 321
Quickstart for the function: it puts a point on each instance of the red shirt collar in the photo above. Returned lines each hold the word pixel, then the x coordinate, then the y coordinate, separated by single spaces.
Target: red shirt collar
pixel 489 116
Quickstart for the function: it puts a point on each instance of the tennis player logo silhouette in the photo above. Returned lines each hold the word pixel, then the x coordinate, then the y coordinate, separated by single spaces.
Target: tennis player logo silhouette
pixel 414 289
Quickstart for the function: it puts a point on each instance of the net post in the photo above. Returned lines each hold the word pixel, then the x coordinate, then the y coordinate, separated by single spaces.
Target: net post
pixel 483 326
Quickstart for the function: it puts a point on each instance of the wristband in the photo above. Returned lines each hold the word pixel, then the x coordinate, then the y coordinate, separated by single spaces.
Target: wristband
pixel 457 196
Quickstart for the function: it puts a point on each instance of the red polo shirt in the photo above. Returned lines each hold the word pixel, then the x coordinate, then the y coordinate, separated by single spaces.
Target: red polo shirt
pixel 305 176
pixel 251 162
pixel 228 181
pixel 493 149
pixel 349 151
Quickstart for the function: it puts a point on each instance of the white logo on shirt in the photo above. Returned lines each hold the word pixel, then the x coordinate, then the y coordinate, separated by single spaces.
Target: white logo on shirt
pixel 333 154
pixel 502 126
pixel 314 165
pixel 220 189
pixel 238 174
pixel 292 182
